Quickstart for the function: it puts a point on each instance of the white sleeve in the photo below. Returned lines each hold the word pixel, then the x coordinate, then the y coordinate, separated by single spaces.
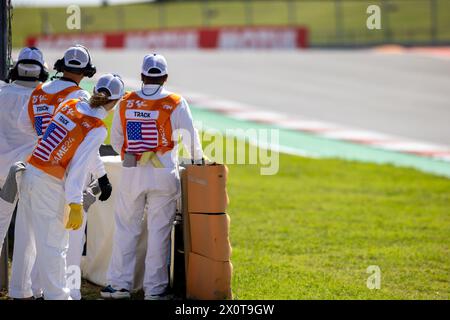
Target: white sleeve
pixel 181 118
pixel 78 94
pixel 98 168
pixel 24 123
pixel 117 138
pixel 82 161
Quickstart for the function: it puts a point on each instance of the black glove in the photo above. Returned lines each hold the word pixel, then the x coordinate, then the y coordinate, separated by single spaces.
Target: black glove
pixel 105 188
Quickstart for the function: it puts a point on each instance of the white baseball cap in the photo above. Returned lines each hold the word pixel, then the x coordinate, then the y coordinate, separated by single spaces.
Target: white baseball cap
pixel 28 70
pixel 113 84
pixel 77 57
pixel 31 53
pixel 154 65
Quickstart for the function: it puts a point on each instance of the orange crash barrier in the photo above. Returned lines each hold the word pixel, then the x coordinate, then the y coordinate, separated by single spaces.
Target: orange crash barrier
pixel 207 248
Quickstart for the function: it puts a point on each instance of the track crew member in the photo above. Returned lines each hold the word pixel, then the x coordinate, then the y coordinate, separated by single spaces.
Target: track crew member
pixel 56 175
pixel 75 65
pixel 144 133
pixel 27 73
pixel 33 121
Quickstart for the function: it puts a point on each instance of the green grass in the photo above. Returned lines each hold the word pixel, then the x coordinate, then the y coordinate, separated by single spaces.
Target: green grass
pixel 311 231
pixel 408 19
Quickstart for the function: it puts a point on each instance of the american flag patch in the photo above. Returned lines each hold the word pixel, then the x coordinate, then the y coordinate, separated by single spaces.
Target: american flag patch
pixel 142 136
pixel 43 114
pixel 53 136
pixel 41 123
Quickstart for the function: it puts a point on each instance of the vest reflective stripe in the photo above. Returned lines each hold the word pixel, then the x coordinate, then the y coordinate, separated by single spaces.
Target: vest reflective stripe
pixel 42 106
pixel 64 134
pixel 146 123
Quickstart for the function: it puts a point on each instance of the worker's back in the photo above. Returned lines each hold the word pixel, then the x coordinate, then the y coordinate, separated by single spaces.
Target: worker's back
pixel 14 144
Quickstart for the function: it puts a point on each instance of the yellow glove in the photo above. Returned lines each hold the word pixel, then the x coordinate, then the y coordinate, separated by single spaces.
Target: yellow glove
pixel 75 216
pixel 152 157
pixel 206 159
pixel 145 157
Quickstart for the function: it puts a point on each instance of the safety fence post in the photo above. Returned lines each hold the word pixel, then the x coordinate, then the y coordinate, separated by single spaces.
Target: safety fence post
pixel 4 266
pixel 248 13
pixel 434 21
pixel 338 16
pixel 292 12
pixel 386 7
pixel 4 64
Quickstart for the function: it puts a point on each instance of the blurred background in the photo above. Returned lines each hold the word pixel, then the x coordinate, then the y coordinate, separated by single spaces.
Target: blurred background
pixel 299 60
pixel 332 23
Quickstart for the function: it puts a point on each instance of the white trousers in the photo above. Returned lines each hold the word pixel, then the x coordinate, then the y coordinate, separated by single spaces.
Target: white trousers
pixel 42 206
pixel 24 281
pixel 77 239
pixel 150 191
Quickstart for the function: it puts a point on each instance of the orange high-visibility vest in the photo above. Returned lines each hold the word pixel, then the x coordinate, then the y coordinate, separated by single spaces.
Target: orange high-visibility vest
pixel 146 123
pixel 63 136
pixel 42 106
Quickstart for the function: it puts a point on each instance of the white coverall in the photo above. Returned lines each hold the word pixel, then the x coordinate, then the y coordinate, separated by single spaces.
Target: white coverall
pixel 21 285
pixel 77 238
pixel 151 191
pixel 14 146
pixel 42 201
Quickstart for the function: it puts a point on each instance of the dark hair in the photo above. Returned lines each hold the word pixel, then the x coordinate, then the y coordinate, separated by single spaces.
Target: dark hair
pixel 100 98
pixel 88 71
pixel 154 80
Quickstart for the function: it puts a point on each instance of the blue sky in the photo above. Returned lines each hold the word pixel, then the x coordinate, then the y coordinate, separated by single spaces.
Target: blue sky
pixel 59 3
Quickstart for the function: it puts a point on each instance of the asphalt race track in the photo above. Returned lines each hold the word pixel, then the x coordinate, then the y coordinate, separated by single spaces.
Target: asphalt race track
pixel 399 94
